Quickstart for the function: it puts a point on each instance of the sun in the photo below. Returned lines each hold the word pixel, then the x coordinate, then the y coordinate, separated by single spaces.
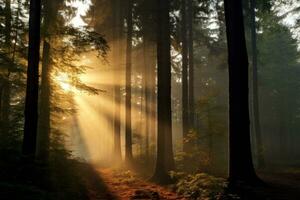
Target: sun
pixel 64 81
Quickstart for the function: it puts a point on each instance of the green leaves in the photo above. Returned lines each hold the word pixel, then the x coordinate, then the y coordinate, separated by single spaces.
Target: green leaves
pixel 199 186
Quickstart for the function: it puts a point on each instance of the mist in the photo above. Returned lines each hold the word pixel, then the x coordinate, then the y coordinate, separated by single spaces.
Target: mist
pixel 149 99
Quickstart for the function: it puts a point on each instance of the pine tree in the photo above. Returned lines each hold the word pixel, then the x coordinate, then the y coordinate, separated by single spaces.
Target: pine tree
pixel 165 159
pixel 128 129
pixel 241 166
pixel 31 102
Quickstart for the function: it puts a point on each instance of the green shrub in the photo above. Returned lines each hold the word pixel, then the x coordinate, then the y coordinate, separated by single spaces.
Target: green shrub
pixel 199 186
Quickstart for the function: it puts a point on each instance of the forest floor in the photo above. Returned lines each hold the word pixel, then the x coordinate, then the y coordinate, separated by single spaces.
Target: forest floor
pixel 124 185
pixel 72 180
pixel 283 185
pixel 109 184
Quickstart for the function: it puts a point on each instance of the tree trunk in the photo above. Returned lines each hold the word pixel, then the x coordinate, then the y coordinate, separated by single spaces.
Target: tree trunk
pixel 257 129
pixel 117 31
pixel 191 64
pixel 164 160
pixel 128 134
pixel 146 91
pixel 8 19
pixel 44 122
pixel 152 94
pixel 31 99
pixel 240 166
pixel 43 139
pixel 184 76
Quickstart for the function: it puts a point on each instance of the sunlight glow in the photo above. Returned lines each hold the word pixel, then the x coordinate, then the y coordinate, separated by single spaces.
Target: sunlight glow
pixel 64 80
pixel 82 8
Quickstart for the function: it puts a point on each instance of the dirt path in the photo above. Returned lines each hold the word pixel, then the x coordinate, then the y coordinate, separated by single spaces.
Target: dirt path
pixel 125 187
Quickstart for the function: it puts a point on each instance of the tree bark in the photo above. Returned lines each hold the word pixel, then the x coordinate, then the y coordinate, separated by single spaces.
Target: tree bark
pixel 146 91
pixel 164 160
pixel 184 76
pixel 117 31
pixel 31 100
pixel 152 93
pixel 8 22
pixel 44 122
pixel 240 165
pixel 128 133
pixel 43 138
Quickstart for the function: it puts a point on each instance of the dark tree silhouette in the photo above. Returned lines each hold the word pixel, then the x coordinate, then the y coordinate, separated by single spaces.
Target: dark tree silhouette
pixel 117 34
pixel 146 79
pixel 44 119
pixel 128 131
pixel 184 75
pixel 147 27
pixel 241 166
pixel 164 160
pixel 49 25
pixel 31 101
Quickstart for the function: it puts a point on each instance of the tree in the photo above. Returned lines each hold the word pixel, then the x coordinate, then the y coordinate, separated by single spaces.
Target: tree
pixel 31 101
pixel 184 75
pixel 146 85
pixel 12 56
pixel 128 131
pixel 117 34
pixel 240 164
pixel 255 103
pixel 191 63
pixel 49 26
pixel 164 160
pixel 278 58
pixel 145 15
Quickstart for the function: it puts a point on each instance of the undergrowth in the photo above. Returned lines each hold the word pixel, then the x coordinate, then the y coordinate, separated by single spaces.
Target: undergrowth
pixel 199 185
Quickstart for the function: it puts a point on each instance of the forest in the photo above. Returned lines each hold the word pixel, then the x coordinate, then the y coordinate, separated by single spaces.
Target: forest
pixel 149 99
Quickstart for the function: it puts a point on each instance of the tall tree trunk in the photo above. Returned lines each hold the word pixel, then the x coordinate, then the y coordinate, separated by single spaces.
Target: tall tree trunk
pixel 191 63
pixel 184 76
pixel 44 122
pixel 164 160
pixel 8 19
pixel 44 128
pixel 31 100
pixel 146 91
pixel 240 165
pixel 152 93
pixel 149 78
pixel 257 129
pixel 43 138
pixel 128 134
pixel 117 31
